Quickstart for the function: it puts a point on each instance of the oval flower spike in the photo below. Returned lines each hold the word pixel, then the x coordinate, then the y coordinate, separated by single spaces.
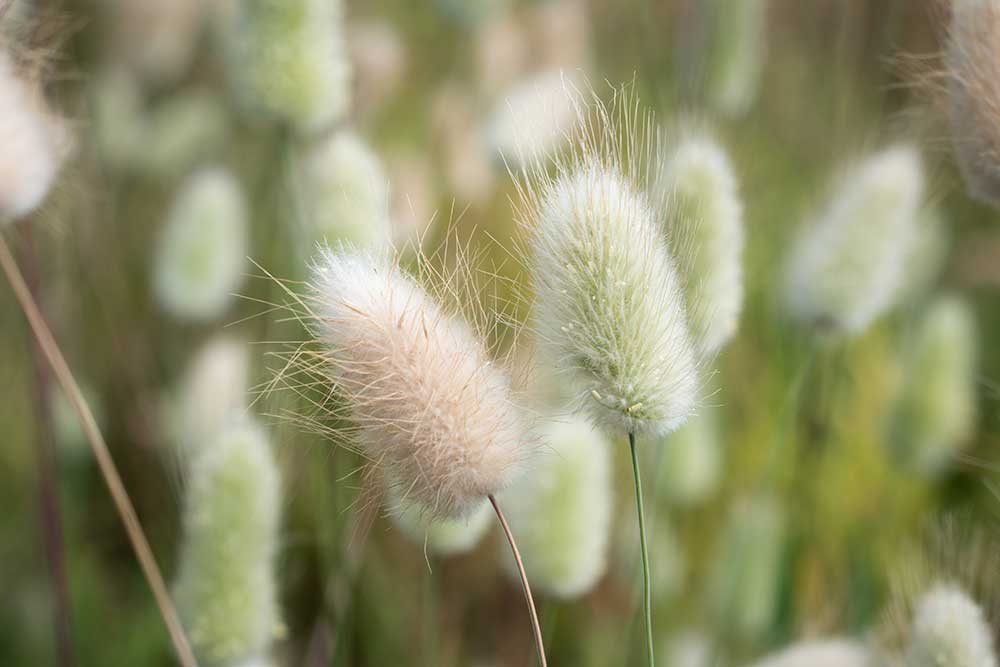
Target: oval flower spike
pixel 287 59
pixel 560 511
pixel 35 142
pixel 708 237
pixel 950 629
pixel 822 653
pixel 226 591
pixel 609 302
pixel 203 247
pixel 972 94
pixel 846 268
pixel 423 399
pixel 444 537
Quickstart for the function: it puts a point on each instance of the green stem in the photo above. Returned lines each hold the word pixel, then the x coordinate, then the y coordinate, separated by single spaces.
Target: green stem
pixel 647 591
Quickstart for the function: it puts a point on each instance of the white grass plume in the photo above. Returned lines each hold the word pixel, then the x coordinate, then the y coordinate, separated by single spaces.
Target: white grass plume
pixel 203 248
pixel 707 235
pixel 846 268
pixel 950 629
pixel 822 653
pixel 609 306
pixel 35 143
pixel 972 94
pixel 560 511
pixel 936 411
pixel 287 59
pixel 345 193
pixel 444 537
pixel 225 591
pixel 424 401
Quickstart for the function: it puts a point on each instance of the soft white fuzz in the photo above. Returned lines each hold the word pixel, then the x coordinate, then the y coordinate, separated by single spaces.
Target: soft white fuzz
pixel 444 537
pixel 423 398
pixel 739 46
pixel 688 649
pixel 972 76
pixel 609 305
pixel 288 60
pixel 345 193
pixel 937 408
pixel 560 511
pixel 213 393
pixel 202 251
pixel 747 568
pixel 847 267
pixel 225 590
pixel 708 237
pixel 691 463
pixel 535 117
pixel 950 630
pixel 34 143
pixel 822 653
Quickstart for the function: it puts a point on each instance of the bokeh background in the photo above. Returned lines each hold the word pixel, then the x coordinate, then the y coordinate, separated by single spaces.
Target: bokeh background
pixel 803 446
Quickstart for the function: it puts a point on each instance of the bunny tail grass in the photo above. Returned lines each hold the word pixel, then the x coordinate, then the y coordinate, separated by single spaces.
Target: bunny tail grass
pixel 119 495
pixel 535 628
pixel 647 590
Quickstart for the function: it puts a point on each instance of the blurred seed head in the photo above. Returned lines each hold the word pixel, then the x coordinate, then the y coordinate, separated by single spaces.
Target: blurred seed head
pixel 846 268
pixel 287 60
pixel 444 537
pixel 560 511
pixel 972 76
pixel 746 573
pixel 212 393
pixel 501 52
pixel 609 304
pixel 471 12
pixel 425 403
pixel 822 653
pixel 203 248
pixel 691 466
pixel 535 118
pixel 156 39
pixel 35 142
pixel 345 193
pixel 380 62
pixel 688 649
pixel 936 411
pixel 949 628
pixel 739 42
pixel 708 237
pixel 225 590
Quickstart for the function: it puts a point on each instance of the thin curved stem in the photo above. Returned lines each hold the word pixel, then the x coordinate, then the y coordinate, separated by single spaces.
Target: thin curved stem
pixel 535 627
pixel 119 495
pixel 647 591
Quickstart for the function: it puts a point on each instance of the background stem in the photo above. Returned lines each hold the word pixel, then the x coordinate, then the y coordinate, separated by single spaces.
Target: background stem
pixel 105 463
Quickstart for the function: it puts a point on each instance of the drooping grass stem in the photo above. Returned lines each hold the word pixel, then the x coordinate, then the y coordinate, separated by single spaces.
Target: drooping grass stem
pixel 535 627
pixel 647 593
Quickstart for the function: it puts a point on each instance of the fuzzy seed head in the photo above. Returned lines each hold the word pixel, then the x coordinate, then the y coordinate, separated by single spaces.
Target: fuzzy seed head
pixel 424 400
pixel 937 409
pixel 847 267
pixel 212 394
pixel 35 144
pixel 288 60
pixel 203 248
pixel 972 74
pixel 346 194
pixel 535 118
pixel 708 238
pixel 739 50
pixel 444 537
pixel 609 303
pixel 950 630
pixel 822 653
pixel 560 511
pixel 692 461
pixel 225 589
